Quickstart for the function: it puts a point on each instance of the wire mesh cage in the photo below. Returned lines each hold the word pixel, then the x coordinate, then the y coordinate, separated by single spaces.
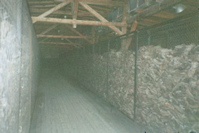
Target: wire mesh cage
pixel 155 81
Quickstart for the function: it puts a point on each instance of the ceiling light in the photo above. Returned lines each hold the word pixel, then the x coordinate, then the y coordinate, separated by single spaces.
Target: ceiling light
pixel 179 8
pixel 74 26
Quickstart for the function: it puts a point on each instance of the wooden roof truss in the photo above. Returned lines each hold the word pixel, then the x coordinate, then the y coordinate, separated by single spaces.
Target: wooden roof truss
pixel 91 8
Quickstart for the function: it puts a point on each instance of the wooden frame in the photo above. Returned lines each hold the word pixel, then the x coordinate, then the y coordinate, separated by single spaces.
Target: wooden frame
pixel 118 27
pixel 79 22
pixel 53 10
pixel 100 17
pixel 59 43
pixel 100 2
pixel 153 10
pixel 59 36
pixel 49 29
pixel 78 33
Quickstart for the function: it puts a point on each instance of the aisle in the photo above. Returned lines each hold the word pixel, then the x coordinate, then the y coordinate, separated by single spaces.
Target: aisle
pixel 63 108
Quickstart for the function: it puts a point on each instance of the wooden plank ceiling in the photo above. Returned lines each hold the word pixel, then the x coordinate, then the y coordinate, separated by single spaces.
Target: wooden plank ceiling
pixel 71 23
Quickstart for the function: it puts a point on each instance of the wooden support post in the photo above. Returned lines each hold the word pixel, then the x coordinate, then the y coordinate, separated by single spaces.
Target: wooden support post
pixel 100 17
pixel 52 10
pixel 133 28
pixel 124 16
pixel 75 12
pixel 124 28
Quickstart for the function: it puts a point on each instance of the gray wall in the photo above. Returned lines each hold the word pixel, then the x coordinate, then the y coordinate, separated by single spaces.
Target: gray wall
pixel 19 66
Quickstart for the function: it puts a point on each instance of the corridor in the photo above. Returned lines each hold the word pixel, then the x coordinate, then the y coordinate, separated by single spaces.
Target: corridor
pixel 62 107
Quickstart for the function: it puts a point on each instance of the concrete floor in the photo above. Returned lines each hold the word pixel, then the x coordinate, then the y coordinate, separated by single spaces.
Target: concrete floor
pixel 64 108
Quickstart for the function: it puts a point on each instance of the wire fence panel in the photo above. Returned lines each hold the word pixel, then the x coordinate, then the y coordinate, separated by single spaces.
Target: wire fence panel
pixel 164 97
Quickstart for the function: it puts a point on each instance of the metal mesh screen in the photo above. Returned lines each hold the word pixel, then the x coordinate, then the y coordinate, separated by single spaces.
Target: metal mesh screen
pixel 166 55
pixel 150 82
pixel 173 33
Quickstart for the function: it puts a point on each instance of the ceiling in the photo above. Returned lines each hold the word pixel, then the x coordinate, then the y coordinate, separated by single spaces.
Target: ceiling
pixel 69 24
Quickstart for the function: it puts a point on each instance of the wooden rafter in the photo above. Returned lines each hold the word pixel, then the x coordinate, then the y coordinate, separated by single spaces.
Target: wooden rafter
pixel 49 29
pixel 58 36
pixel 50 12
pixel 42 2
pixel 101 2
pixel 150 20
pixel 53 10
pixel 59 12
pixel 100 17
pixel 59 46
pixel 69 10
pixel 59 43
pixel 69 41
pixel 79 22
pixel 77 44
pixel 164 14
pixel 133 28
pixel 78 33
pixel 153 9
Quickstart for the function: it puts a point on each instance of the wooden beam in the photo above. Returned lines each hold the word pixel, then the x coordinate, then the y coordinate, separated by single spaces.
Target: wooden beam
pixel 58 36
pixel 129 40
pixel 134 26
pixel 79 22
pixel 53 9
pixel 153 9
pixel 100 17
pixel 59 43
pixel 78 33
pixel 68 10
pixel 166 15
pixel 150 20
pixel 49 29
pixel 43 2
pixel 101 8
pixel 60 46
pixel 71 42
pixel 59 12
pixel 101 2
